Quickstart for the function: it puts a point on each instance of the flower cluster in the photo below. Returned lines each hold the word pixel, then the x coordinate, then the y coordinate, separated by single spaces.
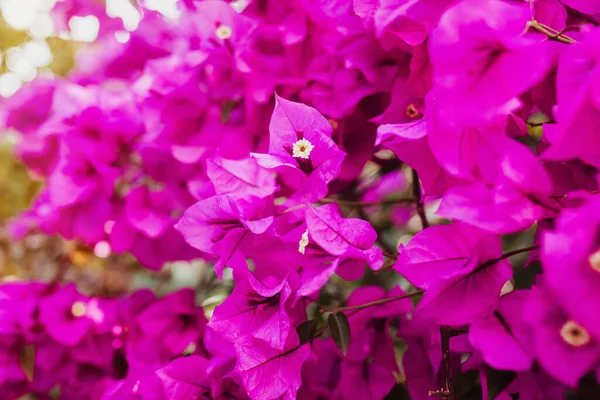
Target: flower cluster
pixel 56 340
pixel 293 144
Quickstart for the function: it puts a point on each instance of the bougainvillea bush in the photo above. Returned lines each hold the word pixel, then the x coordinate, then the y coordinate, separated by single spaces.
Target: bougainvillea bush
pixel 403 193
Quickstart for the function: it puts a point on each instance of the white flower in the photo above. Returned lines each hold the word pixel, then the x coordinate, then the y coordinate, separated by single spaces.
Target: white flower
pixel 594 260
pixel 574 334
pixel 302 149
pixel 78 309
pixel 303 242
pixel 224 32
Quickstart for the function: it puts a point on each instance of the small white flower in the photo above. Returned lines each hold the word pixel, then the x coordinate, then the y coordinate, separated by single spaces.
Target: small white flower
pixel 574 334
pixel 102 249
pixel 594 260
pixel 302 149
pixel 78 309
pixel 303 242
pixel 224 32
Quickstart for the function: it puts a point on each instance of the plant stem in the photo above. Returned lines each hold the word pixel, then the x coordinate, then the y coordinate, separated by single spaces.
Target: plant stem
pixel 504 257
pixel 551 33
pixel 352 203
pixel 386 267
pixel 564 196
pixel 445 333
pixel 518 251
pixel 375 303
pixel 416 186
pixel 294 208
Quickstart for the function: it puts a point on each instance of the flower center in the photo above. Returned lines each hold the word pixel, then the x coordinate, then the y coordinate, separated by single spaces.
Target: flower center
pixel 224 32
pixel 302 149
pixel 303 242
pixel 574 334
pixel 411 111
pixel 594 260
pixel 78 309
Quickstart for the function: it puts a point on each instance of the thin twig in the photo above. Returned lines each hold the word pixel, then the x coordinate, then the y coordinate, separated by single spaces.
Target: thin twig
pixel 458 332
pixel 504 256
pixel 518 251
pixel 439 393
pixel 551 33
pixel 317 334
pixel 445 333
pixel 564 196
pixel 386 267
pixel 352 203
pixel 416 186
pixel 294 208
pixel 374 303
pixel 542 204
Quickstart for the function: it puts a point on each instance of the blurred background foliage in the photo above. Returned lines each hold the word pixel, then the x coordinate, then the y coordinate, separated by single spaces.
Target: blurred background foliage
pixel 39 257
pixel 17 187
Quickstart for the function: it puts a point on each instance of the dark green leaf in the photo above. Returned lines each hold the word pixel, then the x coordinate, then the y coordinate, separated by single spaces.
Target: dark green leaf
pixel 307 330
pixel 525 277
pixel 226 110
pixel 26 359
pixel 587 389
pixel 497 381
pixel 466 385
pixel 398 392
pixel 55 392
pixel 340 330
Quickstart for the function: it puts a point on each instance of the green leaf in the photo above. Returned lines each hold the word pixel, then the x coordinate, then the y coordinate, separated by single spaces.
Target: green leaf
pixel 226 110
pixel 340 330
pixel 587 389
pixel 398 392
pixel 466 385
pixel 307 330
pixel 26 359
pixel 497 381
